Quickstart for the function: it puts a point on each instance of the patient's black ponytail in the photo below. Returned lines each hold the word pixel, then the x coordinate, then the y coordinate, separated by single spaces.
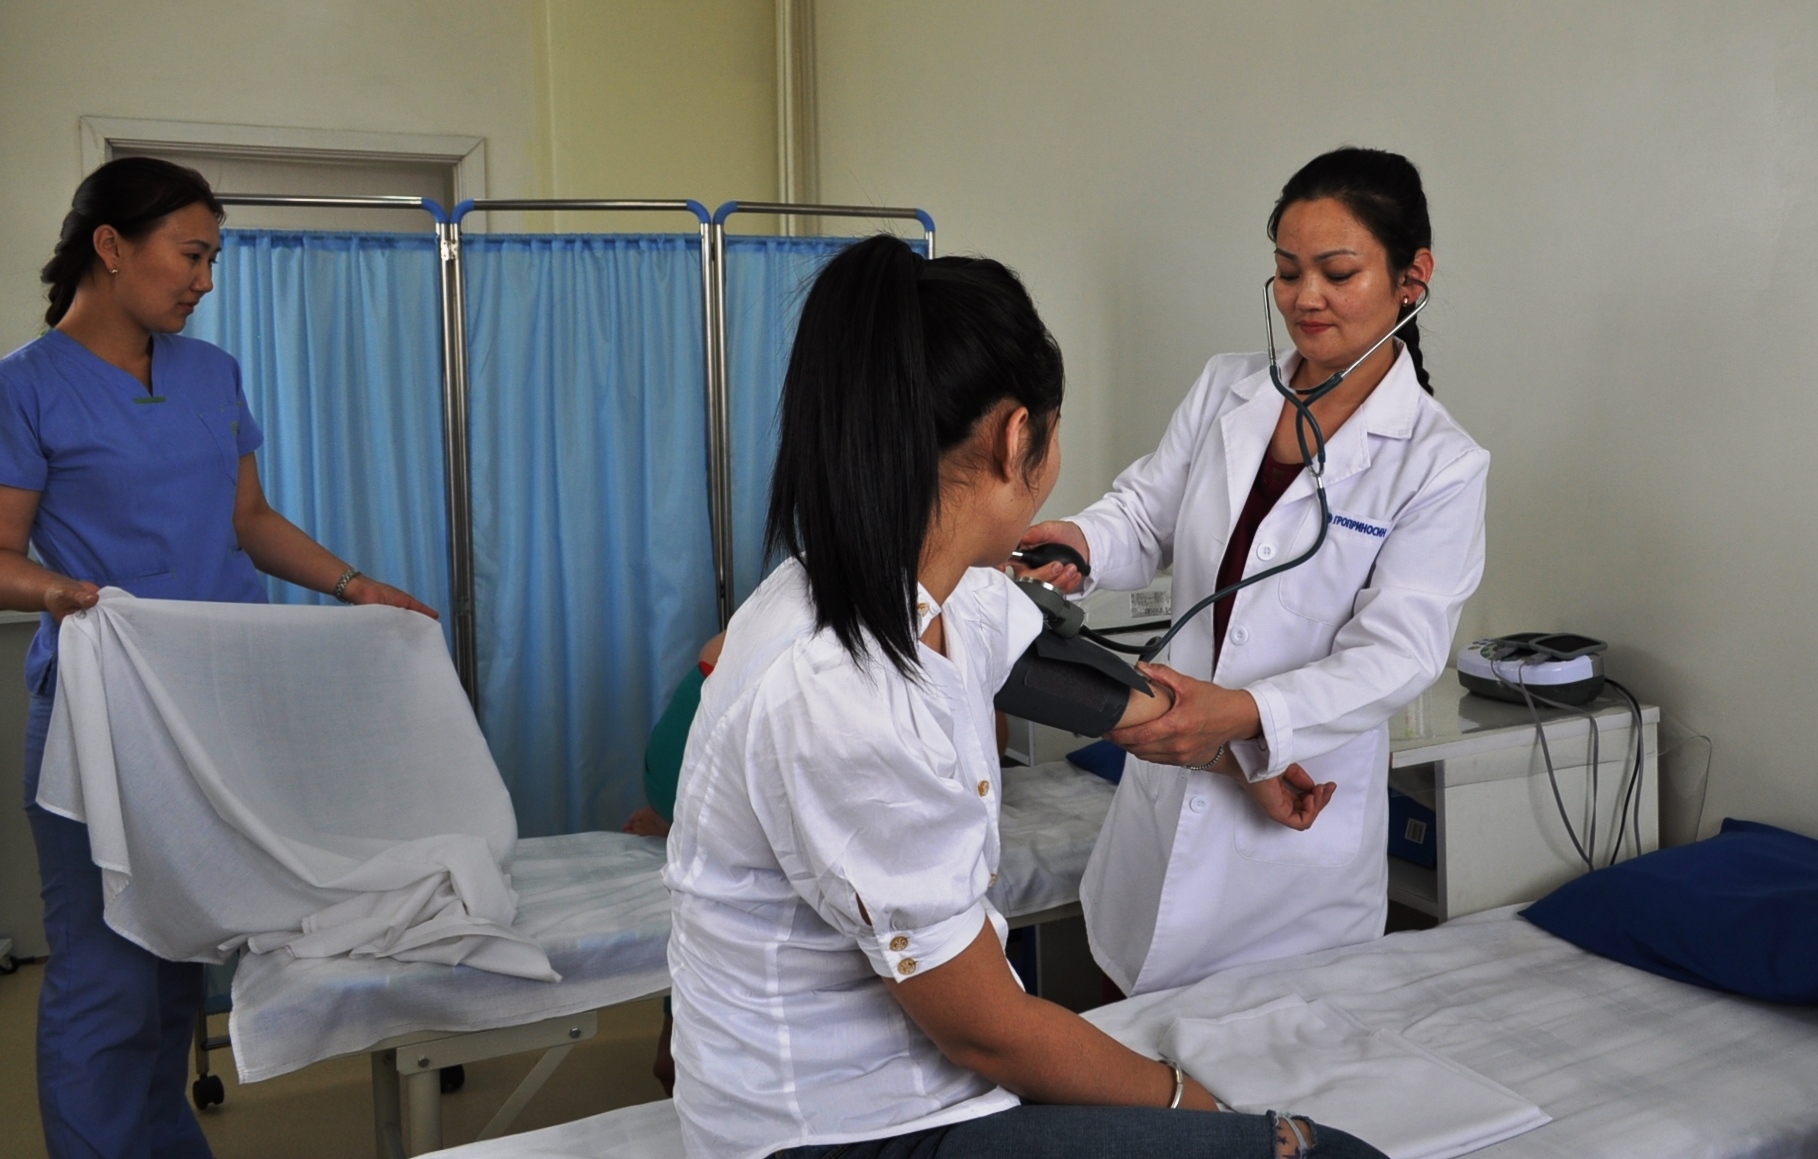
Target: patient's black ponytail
pixel 895 361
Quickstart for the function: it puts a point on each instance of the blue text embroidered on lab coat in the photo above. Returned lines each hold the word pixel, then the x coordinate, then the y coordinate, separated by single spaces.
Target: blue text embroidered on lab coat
pixel 1350 524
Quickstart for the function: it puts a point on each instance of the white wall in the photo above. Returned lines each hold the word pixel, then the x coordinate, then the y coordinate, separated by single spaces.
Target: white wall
pixel 1625 312
pixel 416 66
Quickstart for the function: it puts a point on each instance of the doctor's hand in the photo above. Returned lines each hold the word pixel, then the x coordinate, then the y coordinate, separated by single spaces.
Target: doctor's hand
pixel 1064 576
pixel 1203 717
pixel 1292 799
pixel 366 590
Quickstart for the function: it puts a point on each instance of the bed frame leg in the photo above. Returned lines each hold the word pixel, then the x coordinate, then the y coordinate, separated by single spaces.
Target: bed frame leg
pixel 387 1116
pixel 423 1098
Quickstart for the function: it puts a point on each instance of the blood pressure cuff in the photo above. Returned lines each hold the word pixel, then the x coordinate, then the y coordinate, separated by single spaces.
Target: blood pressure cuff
pixel 1070 683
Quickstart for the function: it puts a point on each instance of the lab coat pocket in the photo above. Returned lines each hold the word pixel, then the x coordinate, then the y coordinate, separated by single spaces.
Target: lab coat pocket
pixel 1325 588
pixel 1333 840
pixel 223 425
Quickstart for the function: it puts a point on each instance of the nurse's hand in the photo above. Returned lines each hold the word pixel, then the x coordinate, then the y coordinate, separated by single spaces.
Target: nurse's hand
pixel 67 596
pixel 366 590
pixel 1064 576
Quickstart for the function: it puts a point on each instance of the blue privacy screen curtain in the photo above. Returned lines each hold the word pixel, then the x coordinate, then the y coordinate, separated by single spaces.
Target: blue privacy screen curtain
pixel 338 336
pixel 767 279
pixel 593 557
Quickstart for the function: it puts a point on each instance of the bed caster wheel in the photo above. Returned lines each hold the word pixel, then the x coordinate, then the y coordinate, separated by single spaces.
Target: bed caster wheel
pixel 208 1092
pixel 453 1079
pixel 8 964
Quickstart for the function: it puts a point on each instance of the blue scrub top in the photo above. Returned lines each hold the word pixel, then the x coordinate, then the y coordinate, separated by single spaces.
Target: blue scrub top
pixel 136 489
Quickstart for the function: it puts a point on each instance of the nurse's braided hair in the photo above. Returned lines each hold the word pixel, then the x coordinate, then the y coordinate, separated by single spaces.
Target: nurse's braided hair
pixel 896 360
pixel 132 194
pixel 1382 190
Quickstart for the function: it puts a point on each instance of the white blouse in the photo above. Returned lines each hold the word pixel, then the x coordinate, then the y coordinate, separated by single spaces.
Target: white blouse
pixel 812 781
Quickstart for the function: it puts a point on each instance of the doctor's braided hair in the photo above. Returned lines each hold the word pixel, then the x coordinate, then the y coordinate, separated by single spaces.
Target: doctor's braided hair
pixel 132 194
pixel 1383 191
pixel 896 359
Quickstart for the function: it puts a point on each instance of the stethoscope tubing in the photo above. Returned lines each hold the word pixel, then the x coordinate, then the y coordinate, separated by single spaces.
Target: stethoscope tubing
pixel 1313 455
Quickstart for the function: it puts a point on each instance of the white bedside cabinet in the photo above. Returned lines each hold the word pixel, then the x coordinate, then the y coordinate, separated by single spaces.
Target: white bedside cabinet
pixel 1477 763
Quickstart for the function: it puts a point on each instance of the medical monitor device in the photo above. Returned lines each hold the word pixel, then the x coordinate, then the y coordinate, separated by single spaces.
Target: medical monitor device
pixel 1554 667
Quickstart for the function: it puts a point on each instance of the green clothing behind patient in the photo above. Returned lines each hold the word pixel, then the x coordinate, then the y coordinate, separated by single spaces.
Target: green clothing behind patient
pixel 668 741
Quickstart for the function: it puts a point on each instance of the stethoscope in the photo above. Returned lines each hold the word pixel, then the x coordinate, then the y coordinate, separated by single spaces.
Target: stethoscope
pixel 1313 454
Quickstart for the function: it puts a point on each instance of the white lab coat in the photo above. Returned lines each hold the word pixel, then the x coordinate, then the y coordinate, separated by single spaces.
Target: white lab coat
pixel 1189 876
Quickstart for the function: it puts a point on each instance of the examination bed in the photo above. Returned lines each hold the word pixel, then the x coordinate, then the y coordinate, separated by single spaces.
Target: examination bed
pixel 1627 1064
pixel 596 905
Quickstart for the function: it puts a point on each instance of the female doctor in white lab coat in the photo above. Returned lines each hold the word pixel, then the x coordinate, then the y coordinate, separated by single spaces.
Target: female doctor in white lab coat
pixel 1252 818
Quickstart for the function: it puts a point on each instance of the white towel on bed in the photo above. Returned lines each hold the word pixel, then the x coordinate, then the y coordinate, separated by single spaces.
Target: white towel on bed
pixel 1308 1058
pixel 301 777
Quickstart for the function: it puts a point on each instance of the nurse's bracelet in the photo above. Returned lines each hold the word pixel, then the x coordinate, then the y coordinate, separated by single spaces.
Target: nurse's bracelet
pixel 1216 757
pixel 1180 1084
pixel 348 577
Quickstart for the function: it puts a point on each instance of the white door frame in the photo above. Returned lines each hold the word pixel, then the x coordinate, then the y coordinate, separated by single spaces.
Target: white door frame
pixel 467 155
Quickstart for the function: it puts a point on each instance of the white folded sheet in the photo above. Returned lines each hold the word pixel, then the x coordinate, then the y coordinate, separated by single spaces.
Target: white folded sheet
pixel 305 778
pixel 1307 1058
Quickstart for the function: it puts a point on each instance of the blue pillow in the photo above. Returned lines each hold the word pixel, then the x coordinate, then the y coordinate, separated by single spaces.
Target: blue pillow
pixel 1101 758
pixel 1737 912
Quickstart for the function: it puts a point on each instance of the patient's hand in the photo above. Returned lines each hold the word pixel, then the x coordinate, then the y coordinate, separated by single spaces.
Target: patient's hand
pixel 646 822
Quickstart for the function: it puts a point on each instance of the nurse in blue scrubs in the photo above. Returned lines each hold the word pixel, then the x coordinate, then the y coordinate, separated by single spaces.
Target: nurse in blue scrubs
pixel 126 458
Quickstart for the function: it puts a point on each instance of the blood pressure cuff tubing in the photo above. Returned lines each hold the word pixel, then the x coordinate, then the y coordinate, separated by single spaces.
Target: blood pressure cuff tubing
pixel 1070 683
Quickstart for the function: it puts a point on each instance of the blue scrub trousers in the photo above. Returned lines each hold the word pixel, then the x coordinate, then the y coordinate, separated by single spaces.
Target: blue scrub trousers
pixel 115 1022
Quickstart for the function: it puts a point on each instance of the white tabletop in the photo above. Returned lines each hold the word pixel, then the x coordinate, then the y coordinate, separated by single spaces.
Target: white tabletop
pixel 1446 721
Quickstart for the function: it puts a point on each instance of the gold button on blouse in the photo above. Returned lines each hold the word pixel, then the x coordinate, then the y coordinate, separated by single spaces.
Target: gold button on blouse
pixel 899 943
pixel 994 879
pixel 906 967
pixel 984 788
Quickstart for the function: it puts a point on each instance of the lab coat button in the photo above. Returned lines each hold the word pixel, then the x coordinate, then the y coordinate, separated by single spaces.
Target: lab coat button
pixel 984 788
pixel 1265 551
pixel 1197 804
pixel 1240 635
pixel 899 943
pixel 906 967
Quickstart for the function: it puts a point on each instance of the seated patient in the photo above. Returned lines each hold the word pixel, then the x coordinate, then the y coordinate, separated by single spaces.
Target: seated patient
pixel 839 977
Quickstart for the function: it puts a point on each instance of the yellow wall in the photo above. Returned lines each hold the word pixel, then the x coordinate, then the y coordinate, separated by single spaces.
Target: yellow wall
pixel 575 98
pixel 659 100
pixel 405 66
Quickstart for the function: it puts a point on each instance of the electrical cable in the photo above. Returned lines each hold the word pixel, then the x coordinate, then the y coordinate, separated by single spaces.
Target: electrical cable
pixel 1587 850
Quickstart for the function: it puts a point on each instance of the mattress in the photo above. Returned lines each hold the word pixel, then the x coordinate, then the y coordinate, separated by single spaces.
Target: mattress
pixel 1629 1065
pixel 1050 818
pixel 596 905
pixel 594 902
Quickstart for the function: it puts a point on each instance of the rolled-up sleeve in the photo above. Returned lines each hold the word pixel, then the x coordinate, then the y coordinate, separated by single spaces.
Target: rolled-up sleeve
pixel 884 848
pixel 1399 638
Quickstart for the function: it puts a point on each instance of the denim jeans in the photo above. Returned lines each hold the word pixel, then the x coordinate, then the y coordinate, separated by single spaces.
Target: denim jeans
pixel 1047 1132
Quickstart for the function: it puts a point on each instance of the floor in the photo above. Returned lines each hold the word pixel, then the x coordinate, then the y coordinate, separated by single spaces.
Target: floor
pixel 326 1109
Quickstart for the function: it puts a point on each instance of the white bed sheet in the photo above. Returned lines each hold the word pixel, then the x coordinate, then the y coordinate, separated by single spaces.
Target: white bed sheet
pixel 1051 817
pixel 594 902
pixel 1628 1064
